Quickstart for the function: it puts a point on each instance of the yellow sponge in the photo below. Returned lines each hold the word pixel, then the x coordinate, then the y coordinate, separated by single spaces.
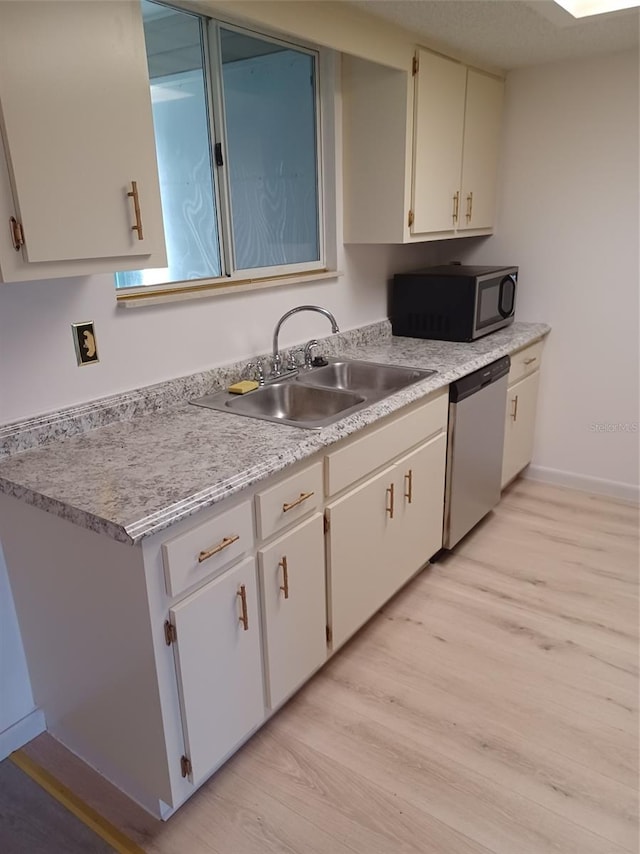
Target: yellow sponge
pixel 243 387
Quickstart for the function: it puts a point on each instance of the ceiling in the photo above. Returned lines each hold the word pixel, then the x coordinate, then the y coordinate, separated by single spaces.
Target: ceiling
pixel 509 33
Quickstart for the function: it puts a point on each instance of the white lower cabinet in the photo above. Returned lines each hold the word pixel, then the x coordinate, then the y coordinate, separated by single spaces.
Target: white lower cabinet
pixel 419 502
pixel 213 623
pixel 357 552
pixel 292 592
pixel 382 533
pixel 219 666
pixel 216 626
pixel 520 414
pixel 520 419
pixel 385 528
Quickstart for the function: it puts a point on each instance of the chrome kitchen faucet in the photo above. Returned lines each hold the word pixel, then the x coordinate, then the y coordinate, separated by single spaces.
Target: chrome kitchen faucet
pixel 276 366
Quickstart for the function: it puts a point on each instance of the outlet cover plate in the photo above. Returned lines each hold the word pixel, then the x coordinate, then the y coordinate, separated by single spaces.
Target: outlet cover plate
pixel 84 340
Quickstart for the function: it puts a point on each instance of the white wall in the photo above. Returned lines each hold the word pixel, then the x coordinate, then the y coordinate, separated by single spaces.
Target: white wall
pixel 568 216
pixel 38 371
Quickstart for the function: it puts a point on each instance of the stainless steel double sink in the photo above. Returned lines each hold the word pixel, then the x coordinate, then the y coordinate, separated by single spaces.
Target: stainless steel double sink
pixel 317 397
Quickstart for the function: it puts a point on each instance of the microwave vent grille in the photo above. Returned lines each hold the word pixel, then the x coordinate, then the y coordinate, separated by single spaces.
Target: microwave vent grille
pixel 421 323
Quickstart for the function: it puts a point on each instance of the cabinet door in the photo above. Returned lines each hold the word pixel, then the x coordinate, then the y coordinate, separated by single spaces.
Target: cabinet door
pixel 292 589
pixel 219 667
pixel 437 150
pixel 418 511
pixel 520 421
pixel 360 530
pixel 78 129
pixel 482 128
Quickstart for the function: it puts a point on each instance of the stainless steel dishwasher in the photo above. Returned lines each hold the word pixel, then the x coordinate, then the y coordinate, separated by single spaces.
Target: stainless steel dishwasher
pixel 477 406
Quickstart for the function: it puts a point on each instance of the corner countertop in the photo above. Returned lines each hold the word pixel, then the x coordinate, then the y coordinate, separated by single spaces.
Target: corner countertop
pixel 133 478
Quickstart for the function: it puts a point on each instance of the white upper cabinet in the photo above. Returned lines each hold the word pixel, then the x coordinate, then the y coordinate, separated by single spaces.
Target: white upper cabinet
pixel 482 126
pixel 420 150
pixel 457 122
pixel 437 150
pixel 78 134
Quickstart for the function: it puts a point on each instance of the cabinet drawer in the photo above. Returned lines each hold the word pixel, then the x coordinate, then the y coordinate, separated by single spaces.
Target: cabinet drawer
pixel 289 500
pixel 525 361
pixel 206 548
pixel 364 455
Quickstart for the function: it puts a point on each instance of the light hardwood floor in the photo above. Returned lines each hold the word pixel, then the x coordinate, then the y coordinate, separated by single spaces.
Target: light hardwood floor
pixel 490 708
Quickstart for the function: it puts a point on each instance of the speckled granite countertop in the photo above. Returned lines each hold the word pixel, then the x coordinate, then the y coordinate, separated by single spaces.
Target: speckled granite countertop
pixel 135 477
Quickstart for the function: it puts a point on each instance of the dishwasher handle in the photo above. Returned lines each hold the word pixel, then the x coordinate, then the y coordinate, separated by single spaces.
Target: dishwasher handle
pixel 466 386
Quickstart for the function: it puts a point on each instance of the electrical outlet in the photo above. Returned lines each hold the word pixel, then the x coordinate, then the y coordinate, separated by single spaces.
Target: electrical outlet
pixel 84 339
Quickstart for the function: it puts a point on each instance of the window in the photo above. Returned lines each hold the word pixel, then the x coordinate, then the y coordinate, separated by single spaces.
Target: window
pixel 236 120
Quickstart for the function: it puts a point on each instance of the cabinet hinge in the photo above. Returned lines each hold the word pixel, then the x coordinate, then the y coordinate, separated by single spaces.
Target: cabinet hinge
pixel 416 66
pixel 410 219
pixel 170 633
pixel 329 635
pixel 185 766
pixel 326 524
pixel 17 233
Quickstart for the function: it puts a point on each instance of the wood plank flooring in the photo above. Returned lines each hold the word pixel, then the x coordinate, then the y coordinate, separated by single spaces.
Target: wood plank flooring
pixel 490 708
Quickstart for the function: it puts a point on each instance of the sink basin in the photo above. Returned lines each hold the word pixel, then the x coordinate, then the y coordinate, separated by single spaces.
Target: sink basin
pixel 320 396
pixel 288 402
pixel 368 378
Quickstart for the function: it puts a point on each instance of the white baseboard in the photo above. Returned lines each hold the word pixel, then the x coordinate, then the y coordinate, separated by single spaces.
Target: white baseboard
pixel 597 485
pixel 22 731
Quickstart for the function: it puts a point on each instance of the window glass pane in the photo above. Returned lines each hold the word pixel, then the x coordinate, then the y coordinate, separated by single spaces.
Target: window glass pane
pixel 181 124
pixel 270 115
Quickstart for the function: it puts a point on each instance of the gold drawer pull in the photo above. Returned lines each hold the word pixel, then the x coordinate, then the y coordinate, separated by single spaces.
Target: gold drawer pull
pixel 302 497
pixel 408 479
pixel 285 577
pixel 469 207
pixel 530 361
pixel 223 544
pixel 244 619
pixel 390 491
pixel 456 206
pixel 514 413
pixel 133 194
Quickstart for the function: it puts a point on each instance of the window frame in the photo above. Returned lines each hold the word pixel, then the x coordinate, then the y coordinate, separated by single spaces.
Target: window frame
pixel 235 279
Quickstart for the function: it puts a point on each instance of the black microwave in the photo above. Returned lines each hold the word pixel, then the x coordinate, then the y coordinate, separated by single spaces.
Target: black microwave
pixel 453 302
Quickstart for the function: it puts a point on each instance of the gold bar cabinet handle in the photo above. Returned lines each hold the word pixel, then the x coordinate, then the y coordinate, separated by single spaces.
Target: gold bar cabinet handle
pixel 514 414
pixel 469 206
pixel 223 544
pixel 456 206
pixel 133 194
pixel 390 497
pixel 530 361
pixel 244 619
pixel 285 577
pixel 302 497
pixel 408 480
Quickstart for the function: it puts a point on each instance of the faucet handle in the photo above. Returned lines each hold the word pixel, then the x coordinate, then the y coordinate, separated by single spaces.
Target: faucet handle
pixel 258 368
pixel 308 347
pixel 295 358
pixel 276 365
